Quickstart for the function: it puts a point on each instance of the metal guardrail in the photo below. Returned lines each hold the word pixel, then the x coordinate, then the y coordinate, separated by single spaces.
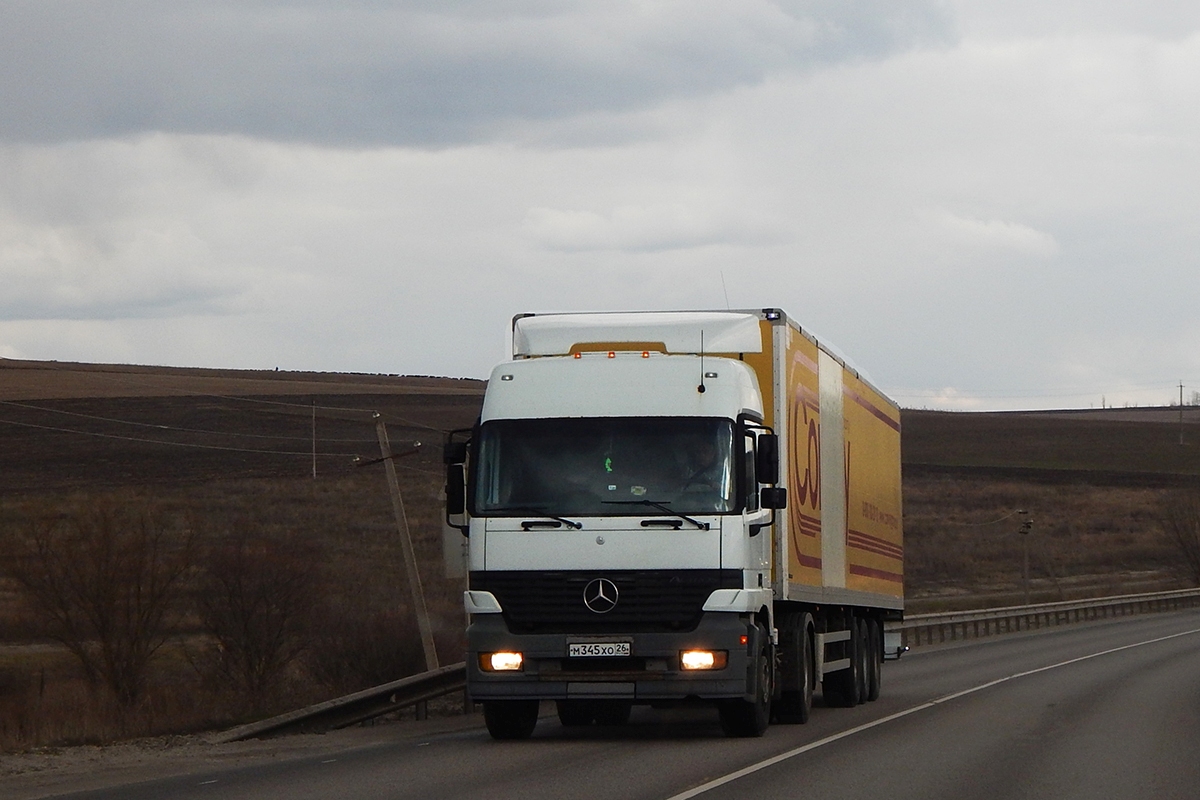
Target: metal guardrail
pixel 929 628
pixel 361 706
pixel 918 629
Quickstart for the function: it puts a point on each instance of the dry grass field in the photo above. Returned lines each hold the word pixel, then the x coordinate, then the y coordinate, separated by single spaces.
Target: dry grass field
pixel 1133 446
pixel 229 454
pixel 1093 482
pixel 224 460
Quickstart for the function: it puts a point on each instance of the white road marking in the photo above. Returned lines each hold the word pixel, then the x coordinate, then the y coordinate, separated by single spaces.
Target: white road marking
pixel 750 770
pixel 207 783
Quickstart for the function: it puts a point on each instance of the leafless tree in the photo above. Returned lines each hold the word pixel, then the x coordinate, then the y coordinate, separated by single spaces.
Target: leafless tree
pixel 256 599
pixel 1181 521
pixel 358 644
pixel 103 578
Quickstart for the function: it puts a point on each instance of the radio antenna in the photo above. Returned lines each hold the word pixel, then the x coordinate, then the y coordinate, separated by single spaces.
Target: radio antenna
pixel 700 388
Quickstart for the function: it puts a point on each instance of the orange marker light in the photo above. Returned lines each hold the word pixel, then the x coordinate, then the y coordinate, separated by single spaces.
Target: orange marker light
pixel 645 354
pixel 579 355
pixel 611 354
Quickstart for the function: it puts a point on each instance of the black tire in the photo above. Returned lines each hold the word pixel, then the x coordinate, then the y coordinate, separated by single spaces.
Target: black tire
pixel 863 662
pixel 510 719
pixel 750 718
pixel 795 705
pixel 575 713
pixel 613 712
pixel 875 662
pixel 843 688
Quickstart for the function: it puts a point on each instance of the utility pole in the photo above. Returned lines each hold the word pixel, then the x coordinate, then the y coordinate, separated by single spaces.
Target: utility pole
pixel 1026 526
pixel 1181 413
pixel 410 556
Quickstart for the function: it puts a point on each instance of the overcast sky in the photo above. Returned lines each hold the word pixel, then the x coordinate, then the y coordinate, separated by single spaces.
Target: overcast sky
pixel 986 205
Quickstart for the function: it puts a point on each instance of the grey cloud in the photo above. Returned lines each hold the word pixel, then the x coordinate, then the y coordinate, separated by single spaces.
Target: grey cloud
pixel 90 298
pixel 424 74
pixel 1161 19
pixel 648 229
pixel 59 262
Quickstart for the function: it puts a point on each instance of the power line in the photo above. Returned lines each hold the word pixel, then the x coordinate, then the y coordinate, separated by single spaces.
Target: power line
pixel 305 406
pixel 388 415
pixel 954 393
pixel 170 443
pixel 150 381
pixel 158 426
pixel 993 522
pixel 306 453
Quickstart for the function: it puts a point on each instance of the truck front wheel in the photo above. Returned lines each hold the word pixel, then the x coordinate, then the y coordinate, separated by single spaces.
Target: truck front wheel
pixel 510 719
pixel 746 718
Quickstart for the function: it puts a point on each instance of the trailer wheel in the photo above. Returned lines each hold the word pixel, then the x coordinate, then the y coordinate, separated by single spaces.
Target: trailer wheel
pixel 575 713
pixel 795 704
pixel 875 659
pixel 862 660
pixel 844 687
pixel 746 718
pixel 510 719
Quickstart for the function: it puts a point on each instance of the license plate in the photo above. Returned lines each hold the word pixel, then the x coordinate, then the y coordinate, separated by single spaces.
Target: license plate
pixel 597 649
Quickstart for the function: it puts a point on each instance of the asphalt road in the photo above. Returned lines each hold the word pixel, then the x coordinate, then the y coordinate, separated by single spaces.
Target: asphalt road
pixel 1103 710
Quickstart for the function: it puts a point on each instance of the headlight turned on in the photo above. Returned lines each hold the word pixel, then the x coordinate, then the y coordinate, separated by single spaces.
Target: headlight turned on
pixel 501 662
pixel 703 659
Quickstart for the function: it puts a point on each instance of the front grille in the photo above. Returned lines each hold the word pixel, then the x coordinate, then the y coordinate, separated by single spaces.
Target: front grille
pixel 648 601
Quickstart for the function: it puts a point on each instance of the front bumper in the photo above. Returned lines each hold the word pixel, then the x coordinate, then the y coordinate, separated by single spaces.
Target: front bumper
pixel 651 672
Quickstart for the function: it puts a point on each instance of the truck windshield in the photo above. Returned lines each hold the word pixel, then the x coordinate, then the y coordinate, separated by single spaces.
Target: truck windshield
pixel 596 466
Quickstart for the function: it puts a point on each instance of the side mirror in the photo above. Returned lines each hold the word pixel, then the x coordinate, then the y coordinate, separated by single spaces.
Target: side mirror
pixel 773 497
pixel 454 455
pixel 456 490
pixel 767 465
pixel 454 452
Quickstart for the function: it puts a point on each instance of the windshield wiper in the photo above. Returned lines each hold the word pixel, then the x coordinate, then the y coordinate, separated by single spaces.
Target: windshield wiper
pixel 541 512
pixel 661 507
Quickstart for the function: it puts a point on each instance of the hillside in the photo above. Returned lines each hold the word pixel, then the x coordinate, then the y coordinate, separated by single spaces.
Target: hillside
pixel 1094 483
pixel 1136 447
pixel 78 425
pixel 48 380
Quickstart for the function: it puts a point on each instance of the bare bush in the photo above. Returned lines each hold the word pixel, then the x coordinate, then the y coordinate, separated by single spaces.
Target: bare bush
pixel 1181 522
pixel 256 599
pixel 103 579
pixel 356 647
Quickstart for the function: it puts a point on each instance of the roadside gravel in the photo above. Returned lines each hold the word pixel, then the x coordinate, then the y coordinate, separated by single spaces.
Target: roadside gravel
pixel 49 772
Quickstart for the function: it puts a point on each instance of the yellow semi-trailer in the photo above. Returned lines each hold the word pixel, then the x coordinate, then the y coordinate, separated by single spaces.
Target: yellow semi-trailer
pixel 676 507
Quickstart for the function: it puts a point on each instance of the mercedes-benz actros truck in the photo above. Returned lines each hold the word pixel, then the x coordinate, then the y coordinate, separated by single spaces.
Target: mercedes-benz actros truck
pixel 676 507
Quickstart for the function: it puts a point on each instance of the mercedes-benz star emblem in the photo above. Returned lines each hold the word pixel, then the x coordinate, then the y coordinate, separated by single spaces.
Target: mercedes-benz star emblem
pixel 600 596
